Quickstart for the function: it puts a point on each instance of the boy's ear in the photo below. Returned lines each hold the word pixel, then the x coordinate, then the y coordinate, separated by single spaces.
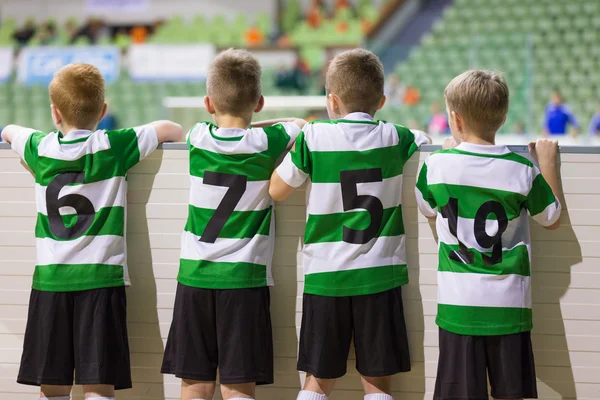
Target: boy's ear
pixel 56 117
pixel 334 103
pixel 382 103
pixel 457 121
pixel 260 105
pixel 104 109
pixel 209 105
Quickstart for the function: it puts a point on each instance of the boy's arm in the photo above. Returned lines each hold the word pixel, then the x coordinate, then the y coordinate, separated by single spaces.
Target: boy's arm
pixel 293 171
pixel 545 207
pixel 425 201
pixel 168 131
pixel 17 136
pixel 263 124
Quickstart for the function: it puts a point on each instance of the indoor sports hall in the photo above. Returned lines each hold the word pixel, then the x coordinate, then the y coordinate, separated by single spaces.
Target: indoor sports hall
pixel 155 55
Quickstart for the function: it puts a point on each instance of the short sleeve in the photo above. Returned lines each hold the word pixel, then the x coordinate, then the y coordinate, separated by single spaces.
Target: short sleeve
pixel 425 200
pixel 410 141
pixel 22 142
pixel 542 205
pixel 293 130
pixel 296 166
pixel 133 145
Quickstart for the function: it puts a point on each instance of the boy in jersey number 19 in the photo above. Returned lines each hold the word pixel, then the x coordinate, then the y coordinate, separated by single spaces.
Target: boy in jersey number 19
pixel 221 318
pixel 77 309
pixel 353 257
pixel 480 195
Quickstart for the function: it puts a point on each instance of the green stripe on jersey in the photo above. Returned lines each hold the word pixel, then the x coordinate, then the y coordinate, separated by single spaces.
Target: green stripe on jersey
pixel 356 282
pixel 471 198
pixel 125 145
pixel 221 275
pixel 107 221
pixel 96 167
pixel 507 156
pixel 66 277
pixel 256 166
pixel 483 321
pixel 540 196
pixel 240 225
pixel 514 261
pixel 327 165
pixel 321 228
pixel 31 149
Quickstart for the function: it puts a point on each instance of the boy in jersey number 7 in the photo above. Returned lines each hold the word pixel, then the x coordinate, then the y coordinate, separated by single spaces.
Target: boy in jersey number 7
pixel 481 194
pixel 353 257
pixel 221 318
pixel 77 309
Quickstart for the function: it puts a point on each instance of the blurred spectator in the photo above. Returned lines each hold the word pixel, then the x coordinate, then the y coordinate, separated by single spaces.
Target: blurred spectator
pixel 558 117
pixel 519 129
pixel 254 37
pixel 93 30
pixel 0 132
pixel 24 35
pixel 595 123
pixel 109 122
pixel 316 13
pixel 70 29
pixel 294 79
pixel 438 122
pixel 412 96
pixel 48 33
pixel 394 91
pixel 139 34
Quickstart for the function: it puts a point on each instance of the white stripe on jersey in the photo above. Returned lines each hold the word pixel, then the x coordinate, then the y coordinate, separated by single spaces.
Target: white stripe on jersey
pixel 389 196
pixel 342 256
pixel 147 140
pixel 253 250
pixel 517 232
pixel 104 249
pixel 107 193
pixel 473 171
pixel 550 215
pixel 255 198
pixel 484 290
pixel 350 136
pixel 424 206
pixel 52 148
pixel 253 141
pixel 290 174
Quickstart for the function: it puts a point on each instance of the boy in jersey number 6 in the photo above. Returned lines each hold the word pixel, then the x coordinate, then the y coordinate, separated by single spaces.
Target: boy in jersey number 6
pixel 354 258
pixel 77 308
pixel 481 194
pixel 221 318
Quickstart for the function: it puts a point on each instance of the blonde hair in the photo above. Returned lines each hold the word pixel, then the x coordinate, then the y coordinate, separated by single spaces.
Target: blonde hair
pixel 356 77
pixel 77 91
pixel 480 97
pixel 234 82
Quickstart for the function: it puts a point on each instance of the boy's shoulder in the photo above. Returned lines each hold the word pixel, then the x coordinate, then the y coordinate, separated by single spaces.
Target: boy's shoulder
pixel 509 156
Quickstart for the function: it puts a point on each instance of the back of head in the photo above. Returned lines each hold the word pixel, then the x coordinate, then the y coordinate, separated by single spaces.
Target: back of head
pixel 77 91
pixel 480 98
pixel 357 78
pixel 234 82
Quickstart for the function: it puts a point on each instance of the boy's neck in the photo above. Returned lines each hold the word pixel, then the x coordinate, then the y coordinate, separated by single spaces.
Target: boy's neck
pixel 231 121
pixel 474 139
pixel 65 129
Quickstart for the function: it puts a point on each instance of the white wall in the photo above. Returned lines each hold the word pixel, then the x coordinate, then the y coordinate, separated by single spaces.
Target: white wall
pixel 566 273
pixel 64 9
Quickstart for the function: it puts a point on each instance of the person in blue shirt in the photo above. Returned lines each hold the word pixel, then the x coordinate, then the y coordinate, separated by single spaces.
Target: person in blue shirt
pixel 595 123
pixel 0 132
pixel 109 122
pixel 558 117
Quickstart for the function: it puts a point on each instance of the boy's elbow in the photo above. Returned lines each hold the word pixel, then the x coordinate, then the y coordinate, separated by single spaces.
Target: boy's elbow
pixel 276 195
pixel 554 226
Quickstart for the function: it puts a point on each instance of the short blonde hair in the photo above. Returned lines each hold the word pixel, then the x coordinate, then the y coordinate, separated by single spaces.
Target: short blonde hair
pixel 77 91
pixel 480 97
pixel 356 77
pixel 234 82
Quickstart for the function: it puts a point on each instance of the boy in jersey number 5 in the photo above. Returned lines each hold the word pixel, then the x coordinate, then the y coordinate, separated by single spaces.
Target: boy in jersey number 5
pixel 353 257
pixel 77 309
pixel 481 194
pixel 221 318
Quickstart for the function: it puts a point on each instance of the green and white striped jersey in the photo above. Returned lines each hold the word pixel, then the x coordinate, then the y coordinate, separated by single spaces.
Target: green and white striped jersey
pixel 354 238
pixel 229 236
pixel 80 190
pixel 483 195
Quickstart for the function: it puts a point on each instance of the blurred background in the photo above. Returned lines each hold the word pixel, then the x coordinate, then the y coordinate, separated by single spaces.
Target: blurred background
pixel 154 55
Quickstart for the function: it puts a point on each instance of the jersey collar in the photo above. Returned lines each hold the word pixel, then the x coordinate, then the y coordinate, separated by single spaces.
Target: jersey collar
pixel 483 149
pixel 75 134
pixel 358 116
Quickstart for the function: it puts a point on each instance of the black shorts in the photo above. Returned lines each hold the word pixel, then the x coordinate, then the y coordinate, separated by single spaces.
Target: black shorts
pixel 83 331
pixel 466 362
pixel 375 320
pixel 225 329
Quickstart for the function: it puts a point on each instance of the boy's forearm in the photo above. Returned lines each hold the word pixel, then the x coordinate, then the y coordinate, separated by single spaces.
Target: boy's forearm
pixel 550 173
pixel 278 189
pixel 168 131
pixel 10 131
pixel 270 122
